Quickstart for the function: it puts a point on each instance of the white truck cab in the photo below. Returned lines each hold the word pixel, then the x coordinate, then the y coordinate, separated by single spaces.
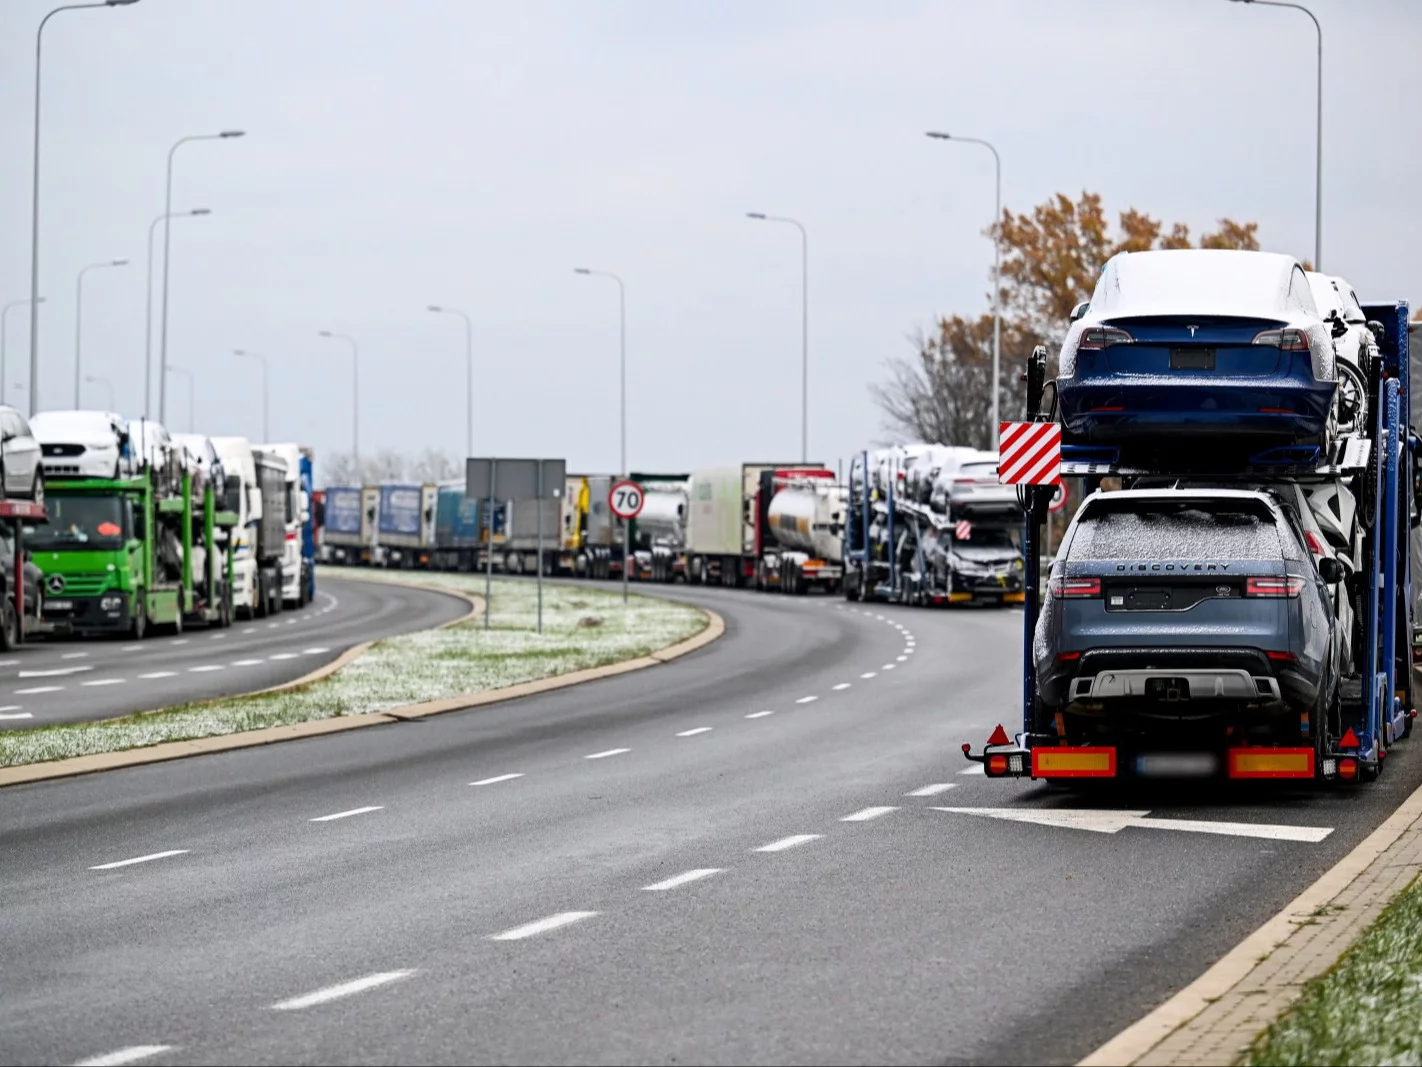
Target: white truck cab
pixel 297 509
pixel 241 468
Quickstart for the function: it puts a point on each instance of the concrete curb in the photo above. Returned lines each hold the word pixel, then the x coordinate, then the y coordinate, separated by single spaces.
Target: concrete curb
pixel 134 757
pixel 1251 986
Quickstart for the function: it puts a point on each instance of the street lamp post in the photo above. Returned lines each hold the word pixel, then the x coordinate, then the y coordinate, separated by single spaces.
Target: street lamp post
pixel 266 426
pixel 167 245
pixel 469 364
pixel 108 385
pixel 996 279
pixel 1318 132
pixel 180 370
pixel 4 316
pixel 148 305
pixel 34 205
pixel 355 389
pixel 79 319
pixel 621 406
pixel 804 326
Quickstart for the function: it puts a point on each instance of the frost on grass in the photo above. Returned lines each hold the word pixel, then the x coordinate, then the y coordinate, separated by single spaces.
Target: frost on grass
pixel 582 628
pixel 1367 1009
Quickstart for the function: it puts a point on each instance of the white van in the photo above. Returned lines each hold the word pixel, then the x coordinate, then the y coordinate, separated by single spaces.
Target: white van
pixel 241 468
pixel 292 580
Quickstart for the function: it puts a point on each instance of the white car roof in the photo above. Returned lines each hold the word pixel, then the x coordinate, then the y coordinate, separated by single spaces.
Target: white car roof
pixel 1179 494
pixel 62 427
pixel 1200 281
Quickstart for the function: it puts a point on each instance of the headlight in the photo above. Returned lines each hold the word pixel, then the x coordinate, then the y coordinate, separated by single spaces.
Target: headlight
pixel 1018 565
pixel 112 602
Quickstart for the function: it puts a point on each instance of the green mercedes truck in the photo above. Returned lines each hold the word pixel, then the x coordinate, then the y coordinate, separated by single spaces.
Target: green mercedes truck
pixel 121 555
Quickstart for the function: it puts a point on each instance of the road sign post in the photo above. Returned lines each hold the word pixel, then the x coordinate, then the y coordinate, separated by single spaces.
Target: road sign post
pixel 626 498
pixel 511 480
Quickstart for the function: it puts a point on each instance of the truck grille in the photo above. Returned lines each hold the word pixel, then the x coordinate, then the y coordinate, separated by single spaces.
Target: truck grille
pixel 81 585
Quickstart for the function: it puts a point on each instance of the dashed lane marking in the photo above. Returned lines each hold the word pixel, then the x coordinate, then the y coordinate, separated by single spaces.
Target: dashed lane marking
pixel 903 659
pixel 206 667
pixel 498 778
pixel 104 681
pixel 841 686
pixel 158 674
pixel 609 752
pixel 16 715
pixel 72 655
pixel 314 651
pixel 38 689
pixel 119 1057
pixel 283 655
pixel 865 814
pixel 932 790
pixel 807 700
pixel 140 859
pixel 248 662
pixel 57 672
pixel 131 648
pixel 249 629
pixel 695 731
pixel 888 666
pixel 759 714
pixel 348 814
pixel 345 989
pixel 682 879
pixel 870 674
pixel 215 637
pixel 180 641
pixel 789 842
pixel 542 926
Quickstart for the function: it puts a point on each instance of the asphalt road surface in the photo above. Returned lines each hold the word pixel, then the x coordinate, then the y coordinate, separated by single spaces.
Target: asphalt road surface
pixel 63 680
pixel 735 857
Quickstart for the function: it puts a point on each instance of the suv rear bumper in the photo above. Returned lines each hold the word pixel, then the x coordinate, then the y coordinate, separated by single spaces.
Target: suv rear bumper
pixel 1227 674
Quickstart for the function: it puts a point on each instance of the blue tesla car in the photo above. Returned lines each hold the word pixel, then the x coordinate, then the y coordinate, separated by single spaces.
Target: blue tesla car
pixel 1222 342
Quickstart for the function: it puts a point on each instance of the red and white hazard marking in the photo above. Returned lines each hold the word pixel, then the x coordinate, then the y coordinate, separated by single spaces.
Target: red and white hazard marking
pixel 964 530
pixel 1029 453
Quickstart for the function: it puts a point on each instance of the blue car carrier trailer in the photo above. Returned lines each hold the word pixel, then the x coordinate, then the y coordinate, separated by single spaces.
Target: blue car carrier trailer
pixel 1377 697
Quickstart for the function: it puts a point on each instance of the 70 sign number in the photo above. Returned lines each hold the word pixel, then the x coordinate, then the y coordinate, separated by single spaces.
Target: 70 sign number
pixel 626 500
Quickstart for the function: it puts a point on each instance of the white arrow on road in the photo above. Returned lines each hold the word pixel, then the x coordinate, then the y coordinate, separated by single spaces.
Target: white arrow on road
pixel 1112 822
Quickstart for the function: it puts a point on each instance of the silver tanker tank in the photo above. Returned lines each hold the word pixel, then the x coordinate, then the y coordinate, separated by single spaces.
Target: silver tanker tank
pixel 808 517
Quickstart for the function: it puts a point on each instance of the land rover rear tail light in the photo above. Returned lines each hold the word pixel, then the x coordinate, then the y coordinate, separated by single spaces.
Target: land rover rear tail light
pixel 1075 587
pixel 1274 587
pixel 1288 340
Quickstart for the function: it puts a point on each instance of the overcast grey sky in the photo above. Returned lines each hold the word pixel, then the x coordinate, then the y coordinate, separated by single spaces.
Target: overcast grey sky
pixel 472 153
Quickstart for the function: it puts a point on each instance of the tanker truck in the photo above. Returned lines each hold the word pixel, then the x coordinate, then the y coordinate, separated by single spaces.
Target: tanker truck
pixel 659 532
pixel 804 524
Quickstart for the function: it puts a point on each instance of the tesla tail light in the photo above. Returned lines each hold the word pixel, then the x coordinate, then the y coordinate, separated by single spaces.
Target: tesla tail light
pixel 1075 587
pixel 1275 587
pixel 1098 337
pixel 1289 340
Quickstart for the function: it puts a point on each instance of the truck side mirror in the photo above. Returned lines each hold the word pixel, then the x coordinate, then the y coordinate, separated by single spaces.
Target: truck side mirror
pixel 232 493
pixel 1330 570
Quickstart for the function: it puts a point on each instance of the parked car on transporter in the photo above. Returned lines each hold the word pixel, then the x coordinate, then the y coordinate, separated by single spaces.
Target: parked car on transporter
pixel 21 471
pixel 82 444
pixel 1225 341
pixel 1168 608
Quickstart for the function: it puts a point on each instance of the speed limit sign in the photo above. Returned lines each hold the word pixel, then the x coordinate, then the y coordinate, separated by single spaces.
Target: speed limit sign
pixel 626 499
pixel 1060 498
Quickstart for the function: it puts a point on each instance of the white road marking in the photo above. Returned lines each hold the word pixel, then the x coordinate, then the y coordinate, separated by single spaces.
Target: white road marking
pixel 609 752
pixel 15 715
pixel 131 648
pixel 842 685
pixel 57 672
pixel 291 622
pixel 345 989
pixel 933 790
pixel 132 1054
pixel 347 814
pixel 205 667
pixel 1112 822
pixel 788 842
pixel 759 714
pixel 870 674
pixel 888 666
pixel 908 651
pixel 314 651
pixel 903 659
pixel 39 689
pixel 8 662
pixel 976 768
pixel 73 655
pixel 807 700
pixel 180 641
pixel 105 681
pixel 272 625
pixel 158 674
pixel 283 655
pixel 879 617
pixel 215 637
pixel 682 879
pixel 497 779
pixel 140 859
pixel 248 662
pixel 865 814
pixel 542 926
pixel 695 731
pixel 249 629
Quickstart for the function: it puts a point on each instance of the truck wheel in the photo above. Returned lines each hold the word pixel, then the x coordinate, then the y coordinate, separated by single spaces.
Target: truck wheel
pixel 224 609
pixel 9 628
pixel 138 628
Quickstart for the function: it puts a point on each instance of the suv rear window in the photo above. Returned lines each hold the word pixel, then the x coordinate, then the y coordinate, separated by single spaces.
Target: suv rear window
pixel 1198 529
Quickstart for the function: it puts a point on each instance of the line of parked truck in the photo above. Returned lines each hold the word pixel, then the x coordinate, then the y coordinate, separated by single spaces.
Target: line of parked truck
pixel 126 527
pixel 917 524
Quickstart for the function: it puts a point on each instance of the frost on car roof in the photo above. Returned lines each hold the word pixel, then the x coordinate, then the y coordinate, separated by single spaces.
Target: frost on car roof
pixel 1198 281
pixel 1153 526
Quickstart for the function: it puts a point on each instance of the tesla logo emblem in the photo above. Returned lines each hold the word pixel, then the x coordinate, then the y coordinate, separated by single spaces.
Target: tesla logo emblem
pixel 1192 330
pixel 55 583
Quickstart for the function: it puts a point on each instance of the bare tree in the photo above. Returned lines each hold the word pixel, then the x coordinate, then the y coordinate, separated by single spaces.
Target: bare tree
pixel 434 465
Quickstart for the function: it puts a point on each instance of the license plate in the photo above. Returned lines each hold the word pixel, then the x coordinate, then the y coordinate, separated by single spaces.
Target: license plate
pixel 59 605
pixel 1192 359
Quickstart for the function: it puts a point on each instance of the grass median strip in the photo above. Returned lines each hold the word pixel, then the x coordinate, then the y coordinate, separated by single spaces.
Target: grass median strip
pixel 1366 1009
pixel 582 628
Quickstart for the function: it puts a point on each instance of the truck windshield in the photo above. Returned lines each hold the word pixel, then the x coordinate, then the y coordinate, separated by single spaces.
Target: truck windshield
pixel 79 521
